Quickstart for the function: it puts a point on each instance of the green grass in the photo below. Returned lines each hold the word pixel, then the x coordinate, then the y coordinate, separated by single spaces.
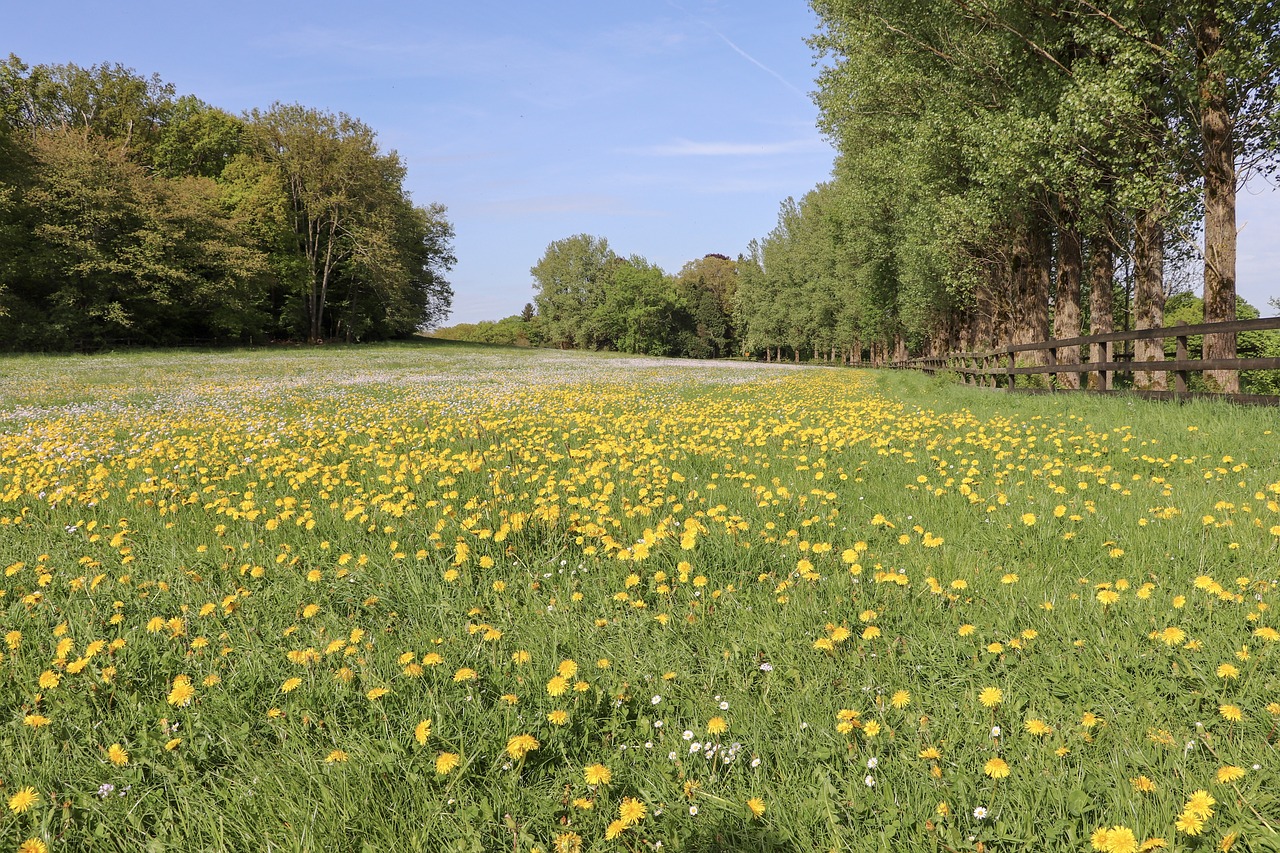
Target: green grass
pixel 227 492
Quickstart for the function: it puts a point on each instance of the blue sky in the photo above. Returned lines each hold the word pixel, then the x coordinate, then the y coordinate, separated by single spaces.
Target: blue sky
pixel 673 128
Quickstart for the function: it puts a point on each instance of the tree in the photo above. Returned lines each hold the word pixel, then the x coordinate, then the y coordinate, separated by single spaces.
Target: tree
pixel 569 283
pixel 346 200
pixel 195 139
pixel 708 289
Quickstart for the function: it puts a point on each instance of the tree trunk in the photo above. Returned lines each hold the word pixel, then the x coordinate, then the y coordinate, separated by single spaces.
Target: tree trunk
pixel 1148 293
pixel 984 311
pixel 1066 310
pixel 1030 270
pixel 1101 300
pixel 1216 134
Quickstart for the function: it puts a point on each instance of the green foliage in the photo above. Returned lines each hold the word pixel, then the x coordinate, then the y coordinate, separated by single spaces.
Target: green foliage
pixel 975 141
pixel 129 216
pixel 590 298
pixel 509 331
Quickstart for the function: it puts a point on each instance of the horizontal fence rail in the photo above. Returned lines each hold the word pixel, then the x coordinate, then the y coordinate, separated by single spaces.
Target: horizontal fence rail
pixel 1096 357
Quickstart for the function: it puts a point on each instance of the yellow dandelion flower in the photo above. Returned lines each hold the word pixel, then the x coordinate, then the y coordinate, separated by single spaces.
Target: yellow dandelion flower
pixel 990 697
pixel 717 726
pixel 290 685
pixel 33 845
pixel 182 691
pixel 446 762
pixel 631 811
pixel 557 686
pixel 1143 785
pixel 23 799
pixel 1189 823
pixel 1231 713
pixel 35 721
pixel 567 842
pixel 1229 773
pixel 870 729
pixel 757 807
pixel 117 755
pixel 376 693
pixel 996 768
pixel 518 746
pixel 1120 839
pixel 1201 803
pixel 597 774
pixel 466 673
pixel 422 731
pixel 1039 728
pixel 558 717
pixel 337 756
pixel 614 829
pixel 900 699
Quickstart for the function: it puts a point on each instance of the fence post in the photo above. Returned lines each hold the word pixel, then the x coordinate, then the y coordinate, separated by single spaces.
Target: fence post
pixel 1053 363
pixel 1108 376
pixel 1180 354
pixel 1008 369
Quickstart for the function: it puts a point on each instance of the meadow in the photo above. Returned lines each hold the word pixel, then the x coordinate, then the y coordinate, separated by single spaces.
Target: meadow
pixel 436 597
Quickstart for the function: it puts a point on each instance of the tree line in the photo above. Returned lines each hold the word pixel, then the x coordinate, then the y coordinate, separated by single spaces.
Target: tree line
pixel 132 215
pixel 589 297
pixel 1011 171
pixel 1007 171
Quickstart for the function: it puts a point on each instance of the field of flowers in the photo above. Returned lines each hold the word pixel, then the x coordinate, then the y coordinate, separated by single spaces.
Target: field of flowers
pixel 441 598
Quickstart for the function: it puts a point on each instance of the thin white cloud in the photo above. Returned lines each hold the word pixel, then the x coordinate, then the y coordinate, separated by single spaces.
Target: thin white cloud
pixel 689 148
pixel 783 80
pixel 757 63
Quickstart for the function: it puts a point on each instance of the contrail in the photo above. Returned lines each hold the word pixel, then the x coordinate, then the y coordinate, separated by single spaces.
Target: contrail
pixel 757 63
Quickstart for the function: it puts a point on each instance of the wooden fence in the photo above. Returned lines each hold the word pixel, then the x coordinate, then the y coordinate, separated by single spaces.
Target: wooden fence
pixel 1102 362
